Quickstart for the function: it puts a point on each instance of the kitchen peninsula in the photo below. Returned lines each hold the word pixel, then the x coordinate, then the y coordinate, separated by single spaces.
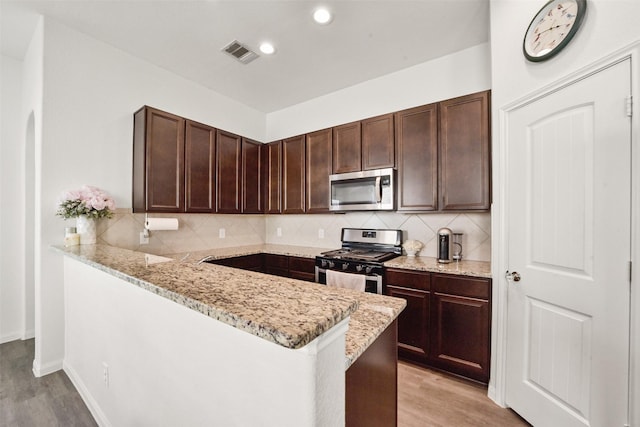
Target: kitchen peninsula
pixel 157 341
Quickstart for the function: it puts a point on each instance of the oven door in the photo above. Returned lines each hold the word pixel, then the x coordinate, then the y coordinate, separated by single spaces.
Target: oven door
pixel 373 282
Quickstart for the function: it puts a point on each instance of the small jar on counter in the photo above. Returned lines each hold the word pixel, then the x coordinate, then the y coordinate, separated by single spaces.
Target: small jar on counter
pixel 71 237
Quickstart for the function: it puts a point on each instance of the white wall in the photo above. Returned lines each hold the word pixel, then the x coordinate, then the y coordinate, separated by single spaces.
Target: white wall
pixel 11 160
pixel 460 73
pixel 90 93
pixel 610 25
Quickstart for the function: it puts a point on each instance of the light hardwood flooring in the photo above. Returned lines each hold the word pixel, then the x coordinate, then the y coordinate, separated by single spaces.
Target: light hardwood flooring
pixel 425 398
pixel 429 398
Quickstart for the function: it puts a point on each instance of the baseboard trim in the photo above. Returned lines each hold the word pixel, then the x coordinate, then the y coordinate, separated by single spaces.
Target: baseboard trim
pixel 13 336
pixel 46 369
pixel 86 396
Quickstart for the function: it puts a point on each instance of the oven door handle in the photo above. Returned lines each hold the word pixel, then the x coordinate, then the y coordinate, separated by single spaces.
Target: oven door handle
pixel 376 277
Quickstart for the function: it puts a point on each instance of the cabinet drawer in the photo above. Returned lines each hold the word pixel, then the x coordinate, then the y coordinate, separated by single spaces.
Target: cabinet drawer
pixel 408 279
pixel 276 261
pixel 305 265
pixel 462 286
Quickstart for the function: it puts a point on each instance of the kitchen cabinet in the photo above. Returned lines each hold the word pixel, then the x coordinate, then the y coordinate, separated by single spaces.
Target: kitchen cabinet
pixel 413 322
pixel 444 155
pixel 293 175
pixel 253 262
pixel 252 201
pixel 158 161
pixel 200 165
pixel 228 172
pixel 271 161
pixel 417 141
pixel 465 165
pixel 302 268
pixel 277 265
pixel 461 325
pixel 378 144
pixel 447 321
pixel 347 149
pixel 318 167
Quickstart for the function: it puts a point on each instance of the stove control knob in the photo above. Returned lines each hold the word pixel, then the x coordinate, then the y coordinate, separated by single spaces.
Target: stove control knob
pixel 332 264
pixel 345 265
pixel 368 270
pixel 359 267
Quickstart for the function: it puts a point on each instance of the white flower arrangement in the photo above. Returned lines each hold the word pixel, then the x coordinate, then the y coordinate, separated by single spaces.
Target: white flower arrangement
pixel 412 247
pixel 89 201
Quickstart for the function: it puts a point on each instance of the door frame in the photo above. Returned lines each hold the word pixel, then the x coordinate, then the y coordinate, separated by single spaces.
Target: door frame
pixel 499 226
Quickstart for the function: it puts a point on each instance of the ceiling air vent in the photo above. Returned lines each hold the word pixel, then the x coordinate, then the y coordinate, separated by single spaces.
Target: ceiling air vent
pixel 240 52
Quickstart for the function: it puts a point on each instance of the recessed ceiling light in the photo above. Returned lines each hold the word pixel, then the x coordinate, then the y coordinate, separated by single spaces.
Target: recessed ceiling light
pixel 322 16
pixel 267 48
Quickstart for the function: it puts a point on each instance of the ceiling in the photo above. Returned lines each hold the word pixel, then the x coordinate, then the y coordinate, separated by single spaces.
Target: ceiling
pixel 365 40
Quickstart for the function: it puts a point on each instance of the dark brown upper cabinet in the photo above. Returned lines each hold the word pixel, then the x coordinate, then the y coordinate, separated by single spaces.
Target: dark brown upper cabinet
pixel 158 161
pixel 378 147
pixel 465 164
pixel 228 172
pixel 271 161
pixel 293 175
pixel 318 168
pixel 251 177
pixel 417 141
pixel 347 149
pixel 200 166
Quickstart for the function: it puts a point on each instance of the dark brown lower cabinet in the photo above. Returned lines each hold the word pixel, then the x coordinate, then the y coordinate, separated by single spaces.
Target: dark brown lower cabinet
pixel 461 325
pixel 277 265
pixel 447 321
pixel 371 389
pixel 253 262
pixel 302 268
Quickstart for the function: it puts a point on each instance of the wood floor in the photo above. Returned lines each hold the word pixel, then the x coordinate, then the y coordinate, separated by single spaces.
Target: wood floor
pixel 425 398
pixel 429 398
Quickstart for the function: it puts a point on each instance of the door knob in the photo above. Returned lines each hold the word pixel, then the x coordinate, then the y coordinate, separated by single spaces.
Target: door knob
pixel 515 276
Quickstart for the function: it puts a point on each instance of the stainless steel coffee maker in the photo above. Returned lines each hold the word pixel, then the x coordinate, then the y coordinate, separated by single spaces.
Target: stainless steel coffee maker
pixel 445 245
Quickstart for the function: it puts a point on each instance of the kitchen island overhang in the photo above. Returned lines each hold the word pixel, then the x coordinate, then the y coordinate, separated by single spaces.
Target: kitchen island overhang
pixel 131 348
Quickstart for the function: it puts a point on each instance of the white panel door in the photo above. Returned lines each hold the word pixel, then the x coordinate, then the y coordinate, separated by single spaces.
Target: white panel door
pixel 569 189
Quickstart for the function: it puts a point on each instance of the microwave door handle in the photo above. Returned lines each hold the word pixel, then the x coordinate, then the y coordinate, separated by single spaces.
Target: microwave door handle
pixel 379 189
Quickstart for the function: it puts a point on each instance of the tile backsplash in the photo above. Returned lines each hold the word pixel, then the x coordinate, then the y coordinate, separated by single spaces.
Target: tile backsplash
pixel 202 231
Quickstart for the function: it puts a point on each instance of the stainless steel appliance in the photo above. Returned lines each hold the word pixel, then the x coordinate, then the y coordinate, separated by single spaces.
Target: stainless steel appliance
pixel 363 191
pixel 445 245
pixel 457 246
pixel 363 252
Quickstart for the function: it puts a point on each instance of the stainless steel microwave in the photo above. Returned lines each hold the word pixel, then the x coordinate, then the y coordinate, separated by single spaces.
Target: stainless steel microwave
pixel 372 190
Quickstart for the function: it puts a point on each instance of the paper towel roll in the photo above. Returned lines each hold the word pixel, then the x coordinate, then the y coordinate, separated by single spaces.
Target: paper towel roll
pixel 161 224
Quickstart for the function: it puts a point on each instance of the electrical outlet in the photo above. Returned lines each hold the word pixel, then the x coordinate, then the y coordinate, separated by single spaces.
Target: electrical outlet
pixel 279 232
pixel 320 233
pixel 105 374
pixel 144 240
pixel 222 233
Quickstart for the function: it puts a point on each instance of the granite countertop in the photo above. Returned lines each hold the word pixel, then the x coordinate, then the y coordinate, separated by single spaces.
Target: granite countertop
pixel 463 268
pixel 220 253
pixel 288 312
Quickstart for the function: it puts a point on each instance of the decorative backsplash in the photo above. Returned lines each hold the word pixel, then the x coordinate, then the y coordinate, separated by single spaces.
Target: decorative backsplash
pixel 200 232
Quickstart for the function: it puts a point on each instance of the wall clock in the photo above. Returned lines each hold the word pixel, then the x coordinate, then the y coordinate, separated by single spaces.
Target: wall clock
pixel 552 28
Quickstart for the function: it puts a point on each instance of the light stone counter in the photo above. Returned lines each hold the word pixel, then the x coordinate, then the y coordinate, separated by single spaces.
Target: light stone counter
pixel 288 312
pixel 463 268
pixel 220 253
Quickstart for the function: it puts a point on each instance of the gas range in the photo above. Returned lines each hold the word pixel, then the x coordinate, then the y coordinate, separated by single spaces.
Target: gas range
pixel 363 251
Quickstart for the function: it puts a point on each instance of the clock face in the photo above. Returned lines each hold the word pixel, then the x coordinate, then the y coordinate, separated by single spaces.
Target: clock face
pixel 552 28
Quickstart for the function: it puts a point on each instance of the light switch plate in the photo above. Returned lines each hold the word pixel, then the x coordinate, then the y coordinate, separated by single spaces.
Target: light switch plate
pixel 222 233
pixel 320 233
pixel 279 232
pixel 144 240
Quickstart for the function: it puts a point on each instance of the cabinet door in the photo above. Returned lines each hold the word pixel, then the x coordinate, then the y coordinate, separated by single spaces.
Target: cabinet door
pixel 228 172
pixel 460 326
pixel 200 165
pixel 464 153
pixel 378 147
pixel 318 168
pixel 251 189
pixel 347 150
pixel 302 268
pixel 417 141
pixel 271 160
pixel 158 166
pixel 293 174
pixel 276 264
pixel 413 323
